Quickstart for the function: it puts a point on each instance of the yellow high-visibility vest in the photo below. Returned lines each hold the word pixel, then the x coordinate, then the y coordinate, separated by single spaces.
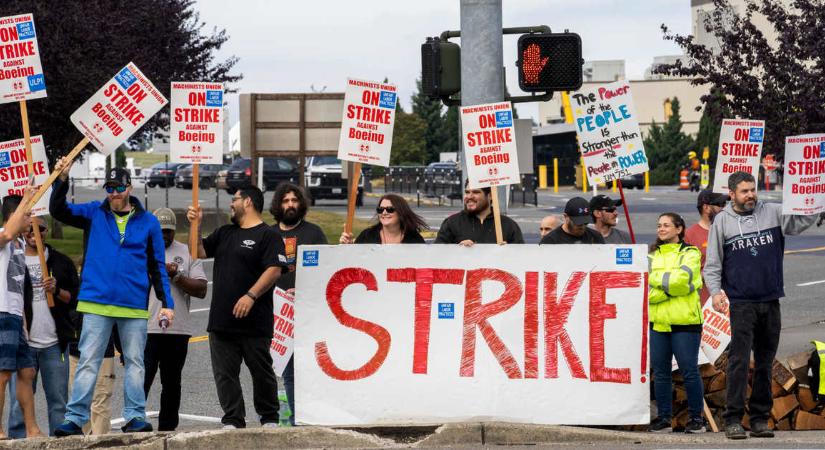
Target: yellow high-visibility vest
pixel 820 350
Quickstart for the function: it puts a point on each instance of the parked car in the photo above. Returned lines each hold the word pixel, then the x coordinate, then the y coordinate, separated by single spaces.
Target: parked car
pixel 163 174
pixel 323 178
pixel 276 170
pixel 207 175
pixel 634 181
pixel 220 178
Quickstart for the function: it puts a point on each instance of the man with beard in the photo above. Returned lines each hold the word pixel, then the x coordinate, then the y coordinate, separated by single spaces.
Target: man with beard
pixel 249 258
pixel 574 230
pixel 166 346
pixel 289 208
pixel 709 205
pixel 743 272
pixel 605 214
pixel 474 225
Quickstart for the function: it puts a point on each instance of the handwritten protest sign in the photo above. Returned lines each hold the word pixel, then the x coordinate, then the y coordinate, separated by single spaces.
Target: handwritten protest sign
pixel 366 127
pixel 740 147
pixel 490 144
pixel 196 134
pixel 283 308
pixel 118 109
pixel 21 74
pixel 14 171
pixel 803 187
pixel 608 131
pixel 412 334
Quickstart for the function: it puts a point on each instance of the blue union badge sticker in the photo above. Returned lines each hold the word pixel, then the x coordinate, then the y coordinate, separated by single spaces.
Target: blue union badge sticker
pixel 822 149
pixel 5 161
pixel 125 78
pixel 756 134
pixel 36 82
pixel 25 30
pixel 624 256
pixel 310 258
pixel 387 100
pixel 214 98
pixel 446 310
pixel 504 119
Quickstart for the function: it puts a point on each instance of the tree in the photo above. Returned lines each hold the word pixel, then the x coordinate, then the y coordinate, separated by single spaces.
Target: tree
pixel 83 43
pixel 409 146
pixel 709 127
pixel 451 137
pixel 779 81
pixel 429 109
pixel 667 148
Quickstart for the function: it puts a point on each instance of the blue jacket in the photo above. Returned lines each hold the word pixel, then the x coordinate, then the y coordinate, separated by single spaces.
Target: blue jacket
pixel 114 273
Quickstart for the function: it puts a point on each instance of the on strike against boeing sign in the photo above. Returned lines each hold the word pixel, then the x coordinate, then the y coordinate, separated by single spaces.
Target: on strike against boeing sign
pixel 196 134
pixel 21 74
pixel 423 334
pixel 367 122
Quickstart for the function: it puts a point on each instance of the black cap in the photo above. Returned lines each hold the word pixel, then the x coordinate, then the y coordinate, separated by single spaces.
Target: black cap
pixel 708 197
pixel 602 201
pixel 118 176
pixel 578 210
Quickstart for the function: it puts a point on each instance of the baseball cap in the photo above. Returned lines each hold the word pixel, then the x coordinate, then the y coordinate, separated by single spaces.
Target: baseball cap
pixel 602 201
pixel 578 210
pixel 118 176
pixel 708 197
pixel 167 219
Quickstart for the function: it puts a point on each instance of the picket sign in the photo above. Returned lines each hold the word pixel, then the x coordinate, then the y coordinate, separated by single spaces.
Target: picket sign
pixel 366 131
pixel 196 131
pixel 283 311
pixel 740 147
pixel 115 112
pixel 803 187
pixel 415 334
pixel 489 141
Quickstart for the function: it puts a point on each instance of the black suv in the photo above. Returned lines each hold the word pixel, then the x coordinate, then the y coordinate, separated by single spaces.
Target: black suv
pixel 276 170
pixel 163 174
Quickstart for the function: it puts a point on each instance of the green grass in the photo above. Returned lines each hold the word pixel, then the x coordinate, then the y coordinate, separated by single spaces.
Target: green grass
pixel 145 160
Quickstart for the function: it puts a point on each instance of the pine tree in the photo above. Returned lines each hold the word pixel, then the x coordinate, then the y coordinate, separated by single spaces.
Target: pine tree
pixel 429 110
pixel 667 148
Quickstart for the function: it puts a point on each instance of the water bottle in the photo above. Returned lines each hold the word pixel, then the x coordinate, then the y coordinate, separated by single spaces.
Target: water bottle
pixel 164 322
pixel 283 412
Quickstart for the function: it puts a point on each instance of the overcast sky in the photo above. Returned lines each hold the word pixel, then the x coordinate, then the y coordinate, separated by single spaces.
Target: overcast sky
pixel 291 46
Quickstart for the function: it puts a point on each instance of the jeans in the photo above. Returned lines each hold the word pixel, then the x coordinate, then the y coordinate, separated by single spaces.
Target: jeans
pixel 167 352
pixel 754 326
pixel 53 366
pixel 684 345
pixel 289 385
pixel 93 341
pixel 227 351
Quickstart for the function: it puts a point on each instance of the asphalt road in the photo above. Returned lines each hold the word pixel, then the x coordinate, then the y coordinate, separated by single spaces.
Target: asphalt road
pixel 803 312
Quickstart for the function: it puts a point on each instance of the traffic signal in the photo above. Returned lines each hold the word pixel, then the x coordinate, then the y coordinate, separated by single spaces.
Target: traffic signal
pixel 440 68
pixel 549 62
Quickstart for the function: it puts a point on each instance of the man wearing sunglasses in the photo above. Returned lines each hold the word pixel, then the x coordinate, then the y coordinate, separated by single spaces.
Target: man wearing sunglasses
pixel 125 260
pixel 605 216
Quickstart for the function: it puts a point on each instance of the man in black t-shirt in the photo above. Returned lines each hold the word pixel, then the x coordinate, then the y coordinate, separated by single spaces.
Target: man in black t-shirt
pixel 289 208
pixel 574 230
pixel 474 225
pixel 249 258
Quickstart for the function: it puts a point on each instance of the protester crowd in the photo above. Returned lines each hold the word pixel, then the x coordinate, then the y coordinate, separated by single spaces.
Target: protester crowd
pixel 133 295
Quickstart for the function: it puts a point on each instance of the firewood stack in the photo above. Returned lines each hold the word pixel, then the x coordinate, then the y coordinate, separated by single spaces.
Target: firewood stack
pixel 793 404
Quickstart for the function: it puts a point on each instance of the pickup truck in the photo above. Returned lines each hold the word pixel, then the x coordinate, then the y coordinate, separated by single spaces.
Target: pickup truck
pixel 323 180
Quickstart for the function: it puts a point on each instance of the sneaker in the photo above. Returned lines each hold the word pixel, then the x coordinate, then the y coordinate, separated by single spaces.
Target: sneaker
pixel 137 425
pixel 695 425
pixel 229 426
pixel 735 431
pixel 660 425
pixel 270 425
pixel 68 428
pixel 761 430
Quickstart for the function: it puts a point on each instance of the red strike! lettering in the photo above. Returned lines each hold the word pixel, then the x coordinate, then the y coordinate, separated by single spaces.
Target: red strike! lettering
pixel 476 316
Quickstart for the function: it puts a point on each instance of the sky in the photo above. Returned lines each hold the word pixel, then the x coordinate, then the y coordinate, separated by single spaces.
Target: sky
pixel 298 46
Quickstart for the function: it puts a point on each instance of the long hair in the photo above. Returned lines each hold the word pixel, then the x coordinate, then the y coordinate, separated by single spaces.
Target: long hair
pixel 410 221
pixel 280 192
pixel 678 221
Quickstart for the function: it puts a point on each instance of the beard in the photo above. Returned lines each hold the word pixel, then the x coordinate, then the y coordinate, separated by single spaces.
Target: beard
pixel 291 216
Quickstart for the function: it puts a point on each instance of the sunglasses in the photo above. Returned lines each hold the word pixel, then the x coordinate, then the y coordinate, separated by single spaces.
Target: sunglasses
pixel 41 228
pixel 610 210
pixel 112 189
pixel 383 209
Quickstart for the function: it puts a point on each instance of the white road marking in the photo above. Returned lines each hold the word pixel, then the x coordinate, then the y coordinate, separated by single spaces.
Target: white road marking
pixel 811 283
pixel 199 310
pixel 650 199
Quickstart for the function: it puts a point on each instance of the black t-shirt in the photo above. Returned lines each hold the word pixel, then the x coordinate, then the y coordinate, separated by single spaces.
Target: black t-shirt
pixel 305 233
pixel 372 235
pixel 463 226
pixel 241 256
pixel 559 236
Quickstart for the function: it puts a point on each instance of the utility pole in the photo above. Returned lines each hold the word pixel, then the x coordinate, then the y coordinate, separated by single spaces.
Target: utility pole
pixel 482 77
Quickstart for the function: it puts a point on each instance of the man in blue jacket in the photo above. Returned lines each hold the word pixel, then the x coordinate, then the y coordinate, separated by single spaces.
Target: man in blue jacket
pixel 126 258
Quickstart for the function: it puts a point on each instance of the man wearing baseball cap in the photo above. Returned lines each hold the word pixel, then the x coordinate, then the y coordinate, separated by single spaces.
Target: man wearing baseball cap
pixel 709 204
pixel 125 260
pixel 605 217
pixel 166 347
pixel 574 230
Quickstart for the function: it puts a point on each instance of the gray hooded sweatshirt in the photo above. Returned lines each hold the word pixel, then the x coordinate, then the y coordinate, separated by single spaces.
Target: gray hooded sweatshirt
pixel 745 252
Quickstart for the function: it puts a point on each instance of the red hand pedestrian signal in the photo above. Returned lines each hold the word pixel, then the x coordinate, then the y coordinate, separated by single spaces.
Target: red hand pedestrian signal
pixel 533 63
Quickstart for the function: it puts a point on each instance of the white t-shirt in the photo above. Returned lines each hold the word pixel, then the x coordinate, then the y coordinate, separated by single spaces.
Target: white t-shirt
pixel 179 254
pixel 43 332
pixel 13 265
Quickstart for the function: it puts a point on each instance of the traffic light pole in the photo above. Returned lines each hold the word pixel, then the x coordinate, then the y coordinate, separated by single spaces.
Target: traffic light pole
pixel 482 54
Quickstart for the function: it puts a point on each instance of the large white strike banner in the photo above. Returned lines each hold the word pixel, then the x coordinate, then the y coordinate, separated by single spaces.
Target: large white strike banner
pixel 406 334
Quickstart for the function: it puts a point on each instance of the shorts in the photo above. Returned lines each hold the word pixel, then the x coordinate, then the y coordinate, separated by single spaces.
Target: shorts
pixel 14 350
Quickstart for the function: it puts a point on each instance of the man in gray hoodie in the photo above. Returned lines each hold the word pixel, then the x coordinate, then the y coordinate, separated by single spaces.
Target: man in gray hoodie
pixel 743 273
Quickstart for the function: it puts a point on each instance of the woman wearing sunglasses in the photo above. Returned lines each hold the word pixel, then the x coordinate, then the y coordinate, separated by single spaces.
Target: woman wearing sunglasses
pixel 396 224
